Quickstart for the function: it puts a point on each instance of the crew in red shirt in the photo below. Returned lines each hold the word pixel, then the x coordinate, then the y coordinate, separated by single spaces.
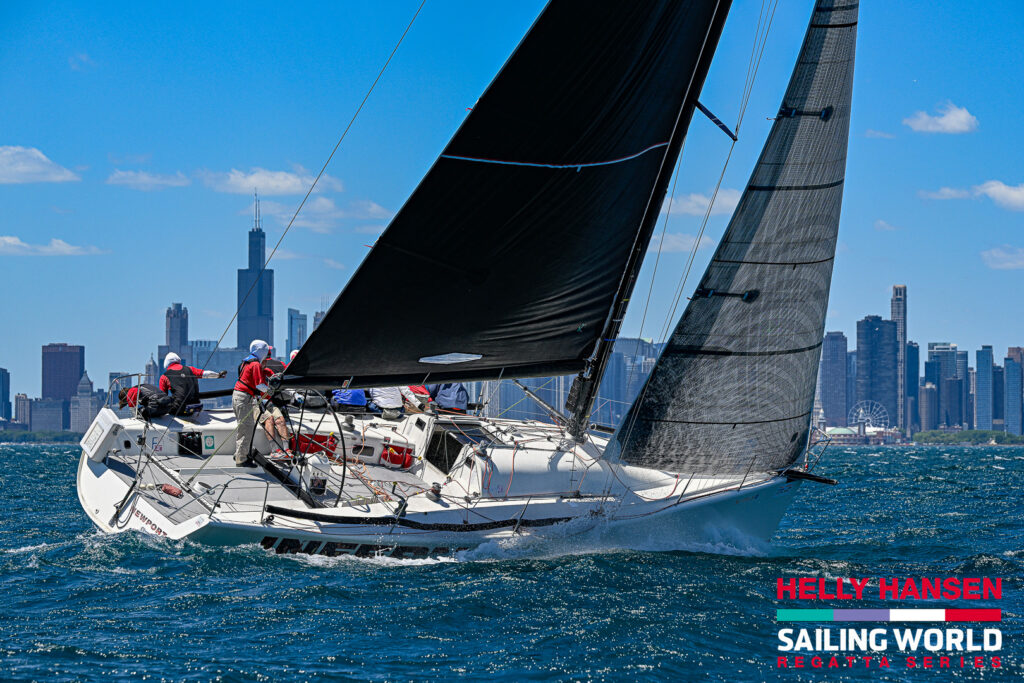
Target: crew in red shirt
pixel 181 382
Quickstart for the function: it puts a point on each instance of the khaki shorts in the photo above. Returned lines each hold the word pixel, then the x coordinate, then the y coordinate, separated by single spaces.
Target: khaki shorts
pixel 271 411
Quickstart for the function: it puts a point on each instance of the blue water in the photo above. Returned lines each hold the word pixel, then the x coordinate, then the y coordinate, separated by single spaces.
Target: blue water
pixel 80 606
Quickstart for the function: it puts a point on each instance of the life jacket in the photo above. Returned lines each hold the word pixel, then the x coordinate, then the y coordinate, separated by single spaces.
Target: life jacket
pixel 184 388
pixel 241 366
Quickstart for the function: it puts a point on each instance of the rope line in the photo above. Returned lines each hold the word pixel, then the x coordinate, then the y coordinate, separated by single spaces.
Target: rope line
pixel 539 165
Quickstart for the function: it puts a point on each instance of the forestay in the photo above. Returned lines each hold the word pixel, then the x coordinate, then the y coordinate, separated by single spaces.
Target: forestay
pixel 506 259
pixel 734 388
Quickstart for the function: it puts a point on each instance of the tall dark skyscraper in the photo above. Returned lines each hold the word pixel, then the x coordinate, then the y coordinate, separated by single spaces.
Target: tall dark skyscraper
pixel 983 393
pixel 256 291
pixel 950 410
pixel 942 356
pixel 898 308
pixel 5 394
pixel 176 328
pixel 876 363
pixel 851 379
pixel 966 411
pixel 998 397
pixel 63 367
pixel 833 379
pixel 913 379
pixel 1012 393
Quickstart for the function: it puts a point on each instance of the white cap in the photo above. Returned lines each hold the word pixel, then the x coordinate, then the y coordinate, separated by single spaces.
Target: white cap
pixel 259 348
pixel 170 359
pixel 293 354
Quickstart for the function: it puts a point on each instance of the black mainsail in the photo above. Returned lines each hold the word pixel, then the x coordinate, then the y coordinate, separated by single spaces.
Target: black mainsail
pixel 520 235
pixel 734 388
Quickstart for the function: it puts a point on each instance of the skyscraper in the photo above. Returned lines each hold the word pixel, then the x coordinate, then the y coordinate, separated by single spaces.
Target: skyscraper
pixel 296 329
pixel 1012 392
pixel 84 406
pixel 22 409
pixel 876 363
pixel 950 410
pixel 941 365
pixel 998 398
pixel 63 367
pixel 318 318
pixel 913 378
pixel 5 394
pixel 929 411
pixel 983 388
pixel 176 331
pixel 962 365
pixel 851 379
pixel 256 291
pixel 833 379
pixel 898 313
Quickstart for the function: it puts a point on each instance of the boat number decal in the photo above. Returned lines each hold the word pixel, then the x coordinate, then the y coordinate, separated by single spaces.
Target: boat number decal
pixel 157 446
pixel 208 442
pixel 149 525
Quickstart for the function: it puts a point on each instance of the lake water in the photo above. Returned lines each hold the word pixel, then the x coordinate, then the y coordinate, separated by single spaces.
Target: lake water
pixel 80 606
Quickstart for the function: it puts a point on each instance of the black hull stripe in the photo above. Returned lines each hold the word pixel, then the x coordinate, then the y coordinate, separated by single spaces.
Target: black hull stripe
pixel 696 351
pixel 410 524
pixel 733 423
pixel 793 188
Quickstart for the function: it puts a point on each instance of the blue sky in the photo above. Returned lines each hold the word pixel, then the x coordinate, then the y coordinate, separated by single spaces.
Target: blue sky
pixel 131 135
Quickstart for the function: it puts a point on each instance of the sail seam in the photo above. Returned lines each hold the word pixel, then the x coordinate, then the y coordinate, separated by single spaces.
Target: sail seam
pixel 539 165
pixel 775 263
pixel 790 188
pixel 730 422
pixel 697 351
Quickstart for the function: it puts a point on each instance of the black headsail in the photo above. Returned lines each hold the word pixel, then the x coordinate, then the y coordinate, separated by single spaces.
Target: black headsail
pixel 734 387
pixel 511 250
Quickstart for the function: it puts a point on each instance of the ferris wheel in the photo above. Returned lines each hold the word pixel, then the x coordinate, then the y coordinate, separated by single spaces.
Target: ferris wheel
pixel 871 413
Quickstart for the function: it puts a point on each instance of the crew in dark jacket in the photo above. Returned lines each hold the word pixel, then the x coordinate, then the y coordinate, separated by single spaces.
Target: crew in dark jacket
pixel 151 401
pixel 182 382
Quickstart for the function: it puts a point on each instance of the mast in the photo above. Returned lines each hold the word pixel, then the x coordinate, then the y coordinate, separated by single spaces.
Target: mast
pixel 585 386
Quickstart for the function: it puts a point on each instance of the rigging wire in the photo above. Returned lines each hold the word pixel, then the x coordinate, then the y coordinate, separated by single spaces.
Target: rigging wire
pixel 758 47
pixel 273 251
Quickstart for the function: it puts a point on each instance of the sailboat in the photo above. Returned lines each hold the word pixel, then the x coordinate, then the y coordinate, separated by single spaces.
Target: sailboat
pixel 537 216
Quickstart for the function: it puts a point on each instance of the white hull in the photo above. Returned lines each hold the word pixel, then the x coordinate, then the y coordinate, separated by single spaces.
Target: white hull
pixel 528 483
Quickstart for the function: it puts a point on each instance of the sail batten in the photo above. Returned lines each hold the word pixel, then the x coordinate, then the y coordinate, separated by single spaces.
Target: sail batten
pixel 734 387
pixel 513 246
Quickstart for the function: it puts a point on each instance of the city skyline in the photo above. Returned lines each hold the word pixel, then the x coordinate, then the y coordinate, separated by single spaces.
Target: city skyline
pixel 129 205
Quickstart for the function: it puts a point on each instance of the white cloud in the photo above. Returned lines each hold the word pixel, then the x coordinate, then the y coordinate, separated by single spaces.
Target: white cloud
pixel 143 180
pixel 29 165
pixel 945 193
pixel 331 263
pixel 322 214
pixel 695 204
pixel 870 133
pixel 951 119
pixel 675 242
pixel 267 182
pixel 80 61
pixel 1006 196
pixel 1004 258
pixel 882 225
pixel 369 229
pixel 14 246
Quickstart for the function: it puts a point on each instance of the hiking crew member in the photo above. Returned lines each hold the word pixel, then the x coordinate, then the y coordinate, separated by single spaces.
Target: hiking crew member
pixel 153 403
pixel 245 402
pixel 182 383
pixel 451 397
